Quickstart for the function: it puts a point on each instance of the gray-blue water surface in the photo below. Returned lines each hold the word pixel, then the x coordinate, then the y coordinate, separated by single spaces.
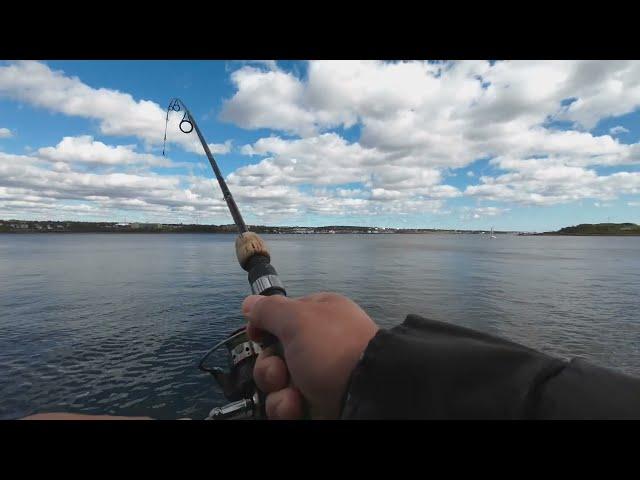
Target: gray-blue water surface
pixel 116 324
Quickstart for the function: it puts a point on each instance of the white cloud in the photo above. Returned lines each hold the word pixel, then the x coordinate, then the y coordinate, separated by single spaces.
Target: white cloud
pixel 490 211
pixel 31 184
pixel 267 99
pixel 118 113
pixel 555 184
pixel 5 133
pixel 85 149
pixel 269 64
pixel 35 186
pixel 603 89
pixel 321 160
pixel 469 213
pixel 618 130
pixel 419 119
pixel 220 148
pixel 416 121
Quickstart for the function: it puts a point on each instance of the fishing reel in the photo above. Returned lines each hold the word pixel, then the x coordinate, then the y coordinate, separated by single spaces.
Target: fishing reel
pixel 237 384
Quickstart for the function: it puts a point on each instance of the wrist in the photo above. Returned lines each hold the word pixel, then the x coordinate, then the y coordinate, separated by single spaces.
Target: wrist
pixel 347 400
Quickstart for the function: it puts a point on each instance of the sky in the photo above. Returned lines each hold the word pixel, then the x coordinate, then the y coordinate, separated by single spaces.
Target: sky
pixel 514 145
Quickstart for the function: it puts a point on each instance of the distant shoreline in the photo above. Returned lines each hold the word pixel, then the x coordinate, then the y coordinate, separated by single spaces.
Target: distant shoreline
pixel 32 226
pixel 181 232
pixel 556 234
pixel 70 227
pixel 599 230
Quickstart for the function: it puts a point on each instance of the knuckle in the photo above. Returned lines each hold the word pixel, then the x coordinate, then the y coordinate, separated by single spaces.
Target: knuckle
pixel 270 374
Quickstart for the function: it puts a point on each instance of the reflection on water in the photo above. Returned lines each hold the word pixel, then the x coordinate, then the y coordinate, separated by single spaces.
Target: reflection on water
pixel 116 323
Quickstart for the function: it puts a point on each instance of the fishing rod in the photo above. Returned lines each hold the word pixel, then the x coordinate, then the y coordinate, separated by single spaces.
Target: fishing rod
pixel 253 255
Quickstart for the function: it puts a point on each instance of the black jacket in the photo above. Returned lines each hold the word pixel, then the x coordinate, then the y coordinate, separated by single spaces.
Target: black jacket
pixel 425 369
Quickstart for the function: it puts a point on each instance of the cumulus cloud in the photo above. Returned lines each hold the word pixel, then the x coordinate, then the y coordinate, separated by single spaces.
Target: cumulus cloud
pixel 269 64
pixel 489 211
pixel 420 119
pixel 555 184
pixel 320 160
pixel 118 113
pixel 617 130
pixel 415 124
pixel 84 149
pixel 268 99
pixel 219 148
pixel 5 133
pixel 30 184
pixel 40 186
pixel 475 213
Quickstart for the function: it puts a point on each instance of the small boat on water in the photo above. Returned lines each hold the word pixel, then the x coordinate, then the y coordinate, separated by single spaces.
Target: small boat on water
pixel 492 235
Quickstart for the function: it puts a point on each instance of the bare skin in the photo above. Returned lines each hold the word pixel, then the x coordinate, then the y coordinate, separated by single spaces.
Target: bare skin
pixel 323 336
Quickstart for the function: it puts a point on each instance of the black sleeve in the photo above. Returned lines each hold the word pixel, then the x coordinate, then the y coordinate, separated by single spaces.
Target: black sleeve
pixel 425 369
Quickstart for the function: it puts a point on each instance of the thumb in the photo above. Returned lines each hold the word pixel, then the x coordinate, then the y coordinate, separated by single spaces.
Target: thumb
pixel 274 314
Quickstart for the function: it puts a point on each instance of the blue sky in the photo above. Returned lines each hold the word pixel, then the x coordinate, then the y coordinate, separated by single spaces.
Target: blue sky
pixel 515 145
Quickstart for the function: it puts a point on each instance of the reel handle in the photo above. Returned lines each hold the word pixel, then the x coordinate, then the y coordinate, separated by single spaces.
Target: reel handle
pixel 254 257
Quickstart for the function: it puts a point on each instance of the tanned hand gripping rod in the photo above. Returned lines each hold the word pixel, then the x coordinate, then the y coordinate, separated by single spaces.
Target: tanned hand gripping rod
pixel 254 257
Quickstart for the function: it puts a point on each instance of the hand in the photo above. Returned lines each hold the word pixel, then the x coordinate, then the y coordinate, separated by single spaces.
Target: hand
pixel 323 337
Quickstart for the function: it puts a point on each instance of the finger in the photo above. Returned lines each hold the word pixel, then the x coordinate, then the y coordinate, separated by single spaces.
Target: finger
pixel 285 404
pixel 275 314
pixel 255 334
pixel 270 373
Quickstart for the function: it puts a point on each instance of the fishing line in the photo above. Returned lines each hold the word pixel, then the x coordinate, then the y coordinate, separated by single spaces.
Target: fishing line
pixel 187 126
pixel 174 105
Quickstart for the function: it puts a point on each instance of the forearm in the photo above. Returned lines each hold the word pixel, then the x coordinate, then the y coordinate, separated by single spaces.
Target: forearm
pixel 424 369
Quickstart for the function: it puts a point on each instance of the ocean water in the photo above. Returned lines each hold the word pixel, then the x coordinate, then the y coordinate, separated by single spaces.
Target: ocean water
pixel 116 324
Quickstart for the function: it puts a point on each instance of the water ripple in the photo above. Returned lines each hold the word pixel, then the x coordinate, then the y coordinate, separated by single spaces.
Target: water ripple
pixel 116 323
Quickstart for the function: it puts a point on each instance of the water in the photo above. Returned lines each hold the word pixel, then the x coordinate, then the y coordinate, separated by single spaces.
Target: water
pixel 115 324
